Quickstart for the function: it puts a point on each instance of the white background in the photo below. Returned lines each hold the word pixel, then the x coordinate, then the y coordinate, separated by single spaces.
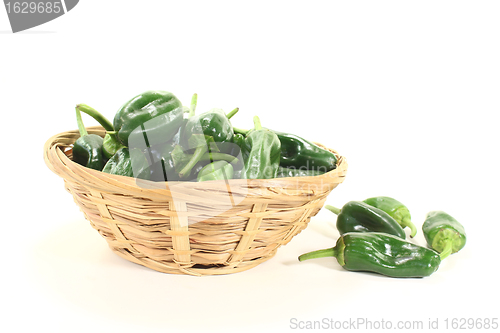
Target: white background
pixel 407 91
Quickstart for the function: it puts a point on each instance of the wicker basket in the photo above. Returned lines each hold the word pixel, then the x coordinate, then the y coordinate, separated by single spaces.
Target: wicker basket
pixel 207 228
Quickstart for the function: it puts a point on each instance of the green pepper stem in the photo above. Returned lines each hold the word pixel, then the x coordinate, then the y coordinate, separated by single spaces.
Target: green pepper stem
pixel 232 113
pixel 406 222
pixel 240 131
pixel 198 154
pixel 447 249
pixel 219 157
pixel 330 252
pixel 332 209
pixel 194 102
pixel 108 126
pixel 79 121
pixel 256 123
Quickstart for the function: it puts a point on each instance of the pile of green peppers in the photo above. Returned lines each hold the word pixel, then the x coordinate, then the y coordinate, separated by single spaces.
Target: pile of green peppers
pixel 154 137
pixel 372 239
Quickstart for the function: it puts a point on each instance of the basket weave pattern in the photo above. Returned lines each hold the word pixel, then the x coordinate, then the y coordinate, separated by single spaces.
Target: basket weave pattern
pixel 190 227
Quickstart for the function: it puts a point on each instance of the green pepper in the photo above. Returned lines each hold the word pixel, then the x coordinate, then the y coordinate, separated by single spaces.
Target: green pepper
pixel 128 162
pixel 203 133
pixel 300 172
pixel 159 112
pixel 357 216
pixel 234 149
pixel 298 152
pixel 238 140
pixel 443 233
pixel 219 170
pixel 87 149
pixel 395 209
pixel 380 253
pixel 261 153
pixel 212 123
pixel 148 137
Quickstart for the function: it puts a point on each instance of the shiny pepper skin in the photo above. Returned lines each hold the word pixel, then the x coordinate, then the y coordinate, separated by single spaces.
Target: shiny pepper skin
pixel 157 114
pixel 380 253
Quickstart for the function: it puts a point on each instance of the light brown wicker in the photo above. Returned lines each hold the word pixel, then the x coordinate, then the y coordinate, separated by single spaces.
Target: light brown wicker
pixel 206 228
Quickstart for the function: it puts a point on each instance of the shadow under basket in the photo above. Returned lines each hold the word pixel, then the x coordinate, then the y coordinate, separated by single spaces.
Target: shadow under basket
pixel 206 228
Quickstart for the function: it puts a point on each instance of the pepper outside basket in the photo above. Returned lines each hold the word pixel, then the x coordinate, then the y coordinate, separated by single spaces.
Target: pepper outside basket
pixel 206 228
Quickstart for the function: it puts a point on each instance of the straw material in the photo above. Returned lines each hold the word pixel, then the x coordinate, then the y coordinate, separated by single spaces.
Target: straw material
pixel 206 228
